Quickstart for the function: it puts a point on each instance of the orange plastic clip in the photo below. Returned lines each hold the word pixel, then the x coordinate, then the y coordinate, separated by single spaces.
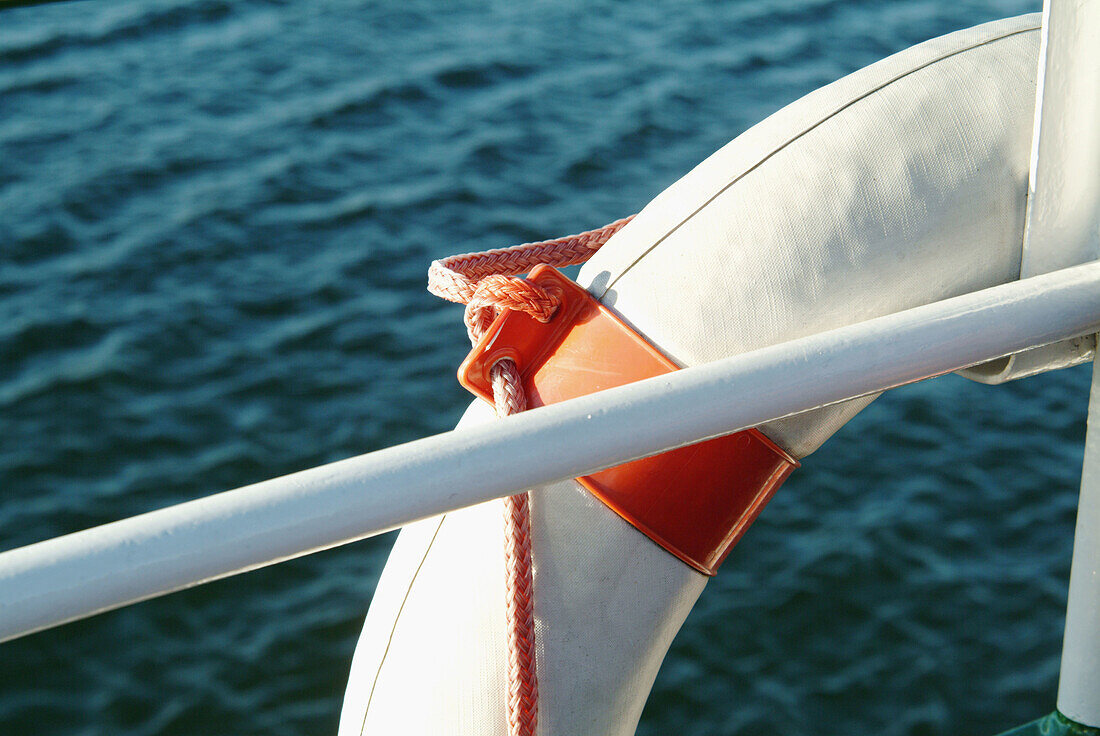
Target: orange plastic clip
pixel 697 501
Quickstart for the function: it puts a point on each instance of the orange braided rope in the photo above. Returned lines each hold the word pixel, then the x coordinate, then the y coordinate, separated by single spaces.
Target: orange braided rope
pixel 487 284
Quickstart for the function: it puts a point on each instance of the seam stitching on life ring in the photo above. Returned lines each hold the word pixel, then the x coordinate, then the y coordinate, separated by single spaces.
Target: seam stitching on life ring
pixel 800 134
pixel 396 619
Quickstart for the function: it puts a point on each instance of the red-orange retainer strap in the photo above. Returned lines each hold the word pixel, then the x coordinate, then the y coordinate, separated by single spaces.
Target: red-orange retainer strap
pixel 697 501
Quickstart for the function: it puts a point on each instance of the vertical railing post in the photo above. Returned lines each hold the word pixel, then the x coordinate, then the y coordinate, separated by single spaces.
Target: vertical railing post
pixel 1079 682
pixel 1063 227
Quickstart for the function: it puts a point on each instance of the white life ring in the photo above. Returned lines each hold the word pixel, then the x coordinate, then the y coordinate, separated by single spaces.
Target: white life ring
pixel 901 184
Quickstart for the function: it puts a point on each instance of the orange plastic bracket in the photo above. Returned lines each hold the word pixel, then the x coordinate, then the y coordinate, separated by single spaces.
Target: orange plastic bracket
pixel 697 501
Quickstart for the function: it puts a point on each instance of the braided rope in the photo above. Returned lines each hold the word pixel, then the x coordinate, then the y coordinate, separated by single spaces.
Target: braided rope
pixel 487 284
pixel 523 685
pixel 455 278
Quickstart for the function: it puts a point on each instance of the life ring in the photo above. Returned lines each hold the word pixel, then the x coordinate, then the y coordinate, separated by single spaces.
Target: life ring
pixel 901 184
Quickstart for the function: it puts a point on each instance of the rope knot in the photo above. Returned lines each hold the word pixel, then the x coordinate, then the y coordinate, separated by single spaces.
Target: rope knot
pixel 496 293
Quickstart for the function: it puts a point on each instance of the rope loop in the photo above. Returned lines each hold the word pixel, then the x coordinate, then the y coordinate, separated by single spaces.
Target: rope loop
pixel 456 278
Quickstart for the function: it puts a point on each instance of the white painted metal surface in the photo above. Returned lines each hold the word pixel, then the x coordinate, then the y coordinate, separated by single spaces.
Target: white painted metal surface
pixel 1065 168
pixel 1064 228
pixel 1064 181
pixel 95 570
pixel 1079 683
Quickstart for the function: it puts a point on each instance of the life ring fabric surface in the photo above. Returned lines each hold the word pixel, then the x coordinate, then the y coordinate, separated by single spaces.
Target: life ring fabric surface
pixel 901 184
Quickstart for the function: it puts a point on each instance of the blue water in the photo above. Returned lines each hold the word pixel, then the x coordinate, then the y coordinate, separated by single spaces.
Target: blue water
pixel 215 220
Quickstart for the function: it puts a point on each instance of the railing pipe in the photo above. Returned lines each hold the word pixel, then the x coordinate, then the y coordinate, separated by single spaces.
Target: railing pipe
pixel 1063 227
pixel 70 577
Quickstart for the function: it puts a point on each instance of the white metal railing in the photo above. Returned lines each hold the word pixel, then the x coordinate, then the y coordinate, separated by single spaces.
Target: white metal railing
pixel 1063 227
pixel 63 579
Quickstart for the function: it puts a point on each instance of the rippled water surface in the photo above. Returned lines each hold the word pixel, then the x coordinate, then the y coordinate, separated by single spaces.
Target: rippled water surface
pixel 215 220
